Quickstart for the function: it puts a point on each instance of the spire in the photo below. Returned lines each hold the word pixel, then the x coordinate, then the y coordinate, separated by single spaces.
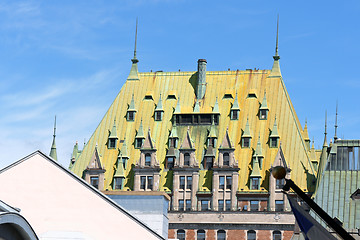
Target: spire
pixel 140 133
pixel 197 107
pixel 258 150
pixel 255 168
pixel 173 133
pixel 216 107
pixel 247 129
pixel 274 131
pixel 134 68
pixel 132 104
pixel 53 153
pixel 178 108
pixel 305 132
pixel 212 133
pixel 124 152
pixel 159 106
pixel 119 172
pixel 275 71
pixel 113 133
pixel 235 105
pixel 264 103
pixel 325 133
pixel 335 137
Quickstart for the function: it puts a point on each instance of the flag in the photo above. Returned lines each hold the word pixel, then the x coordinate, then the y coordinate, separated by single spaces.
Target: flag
pixel 308 225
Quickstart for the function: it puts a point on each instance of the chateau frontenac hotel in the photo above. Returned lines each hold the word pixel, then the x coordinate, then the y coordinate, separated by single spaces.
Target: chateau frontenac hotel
pixel 208 141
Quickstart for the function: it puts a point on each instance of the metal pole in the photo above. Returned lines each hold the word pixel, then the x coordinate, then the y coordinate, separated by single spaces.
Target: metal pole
pixel 329 220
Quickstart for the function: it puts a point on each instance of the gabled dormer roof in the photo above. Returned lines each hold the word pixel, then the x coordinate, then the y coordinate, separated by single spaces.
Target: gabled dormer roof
pixel 119 171
pixel 159 106
pixel 216 107
pixel 226 143
pixel 148 143
pixel 178 108
pixel 264 105
pixel 274 130
pixel 280 159
pixel 95 162
pixel 140 132
pixel 113 133
pixel 258 150
pixel 235 105
pixel 255 168
pixel 247 129
pixel 132 104
pixel 173 133
pixel 188 143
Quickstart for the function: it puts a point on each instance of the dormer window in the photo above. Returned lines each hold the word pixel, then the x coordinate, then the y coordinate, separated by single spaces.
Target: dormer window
pixel 234 114
pixel 130 116
pixel 147 159
pixel 172 143
pixel 263 114
pixel 94 181
pixel 139 142
pixel 118 183
pixel 187 159
pixel 112 143
pixel 274 142
pixel 226 159
pixel 245 142
pixel 211 142
pixel 158 115
pixel 255 183
pixel 209 161
pixel 170 162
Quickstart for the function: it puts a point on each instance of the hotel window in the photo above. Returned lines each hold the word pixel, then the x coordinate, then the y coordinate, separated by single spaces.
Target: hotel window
pixel 254 205
pixel 255 183
pixel 251 235
pixel 130 116
pixel 221 205
pixel 221 235
pixel 189 182
pixel 94 181
pixel 204 205
pixel 147 159
pixel 246 142
pixel 182 182
pixel 280 183
pixel 188 205
pixel 226 159
pixel 200 235
pixel 142 182
pixel 227 205
pixel 149 182
pixel 118 182
pixel 180 234
pixel 187 159
pixel 158 115
pixel 112 143
pixel 208 162
pixel 228 182
pixel 263 114
pixel 274 142
pixel 221 182
pixel 169 162
pixel 279 205
pixel 234 114
pixel 276 235
pixel 181 205
pixel 138 142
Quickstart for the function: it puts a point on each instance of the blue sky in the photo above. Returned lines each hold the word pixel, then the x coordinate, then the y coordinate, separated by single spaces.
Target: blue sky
pixel 70 58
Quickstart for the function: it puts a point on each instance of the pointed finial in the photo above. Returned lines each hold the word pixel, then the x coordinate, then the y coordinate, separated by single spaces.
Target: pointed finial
pixel 325 133
pixel 277 38
pixel 335 137
pixel 53 153
pixel 135 38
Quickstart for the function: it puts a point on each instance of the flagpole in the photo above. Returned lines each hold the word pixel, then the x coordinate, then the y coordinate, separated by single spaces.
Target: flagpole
pixel 329 220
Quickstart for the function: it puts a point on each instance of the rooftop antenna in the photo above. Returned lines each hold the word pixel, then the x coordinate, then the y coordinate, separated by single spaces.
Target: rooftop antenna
pixel 336 115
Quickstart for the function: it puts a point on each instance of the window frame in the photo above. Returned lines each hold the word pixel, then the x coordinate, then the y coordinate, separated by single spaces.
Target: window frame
pixel 147 159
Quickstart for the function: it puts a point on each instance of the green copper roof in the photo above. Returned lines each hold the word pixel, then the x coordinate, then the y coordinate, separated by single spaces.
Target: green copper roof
pixel 274 130
pixel 258 150
pixel 113 131
pixel 124 152
pixel 235 105
pixel 256 169
pixel 53 153
pixel 132 104
pixel 216 107
pixel 178 108
pixel 264 103
pixel 247 129
pixel 173 133
pixel 197 107
pixel 75 151
pixel 140 132
pixel 212 133
pixel 159 106
pixel 120 167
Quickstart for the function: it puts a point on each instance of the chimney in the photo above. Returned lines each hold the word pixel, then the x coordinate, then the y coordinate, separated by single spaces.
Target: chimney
pixel 201 84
